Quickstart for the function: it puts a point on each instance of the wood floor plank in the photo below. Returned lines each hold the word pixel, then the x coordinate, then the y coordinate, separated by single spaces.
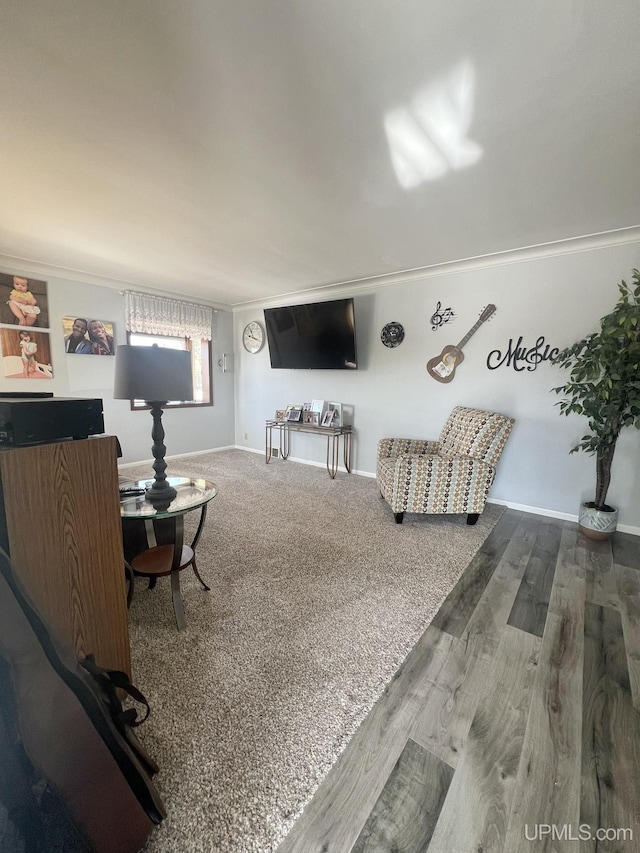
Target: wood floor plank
pixel 461 602
pixel 610 791
pixel 547 789
pixel 406 812
pixel 475 813
pixel 443 723
pixel 626 550
pixel 602 587
pixel 529 611
pixel 629 596
pixel 486 623
pixel 333 819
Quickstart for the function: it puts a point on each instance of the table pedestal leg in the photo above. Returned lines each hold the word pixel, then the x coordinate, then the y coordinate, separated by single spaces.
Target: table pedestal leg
pixel 175 574
pixel 178 609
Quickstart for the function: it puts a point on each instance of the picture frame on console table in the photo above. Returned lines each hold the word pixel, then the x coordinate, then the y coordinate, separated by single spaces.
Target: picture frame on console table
pixel 327 418
pixel 337 417
pixel 280 414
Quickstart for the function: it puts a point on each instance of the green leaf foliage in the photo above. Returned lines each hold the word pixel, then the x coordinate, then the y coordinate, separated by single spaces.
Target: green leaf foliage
pixel 604 381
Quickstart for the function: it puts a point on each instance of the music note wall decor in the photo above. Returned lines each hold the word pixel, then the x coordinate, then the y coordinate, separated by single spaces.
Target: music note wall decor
pixel 440 317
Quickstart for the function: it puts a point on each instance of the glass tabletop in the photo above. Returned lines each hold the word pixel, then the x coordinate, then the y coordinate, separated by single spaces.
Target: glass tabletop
pixel 191 495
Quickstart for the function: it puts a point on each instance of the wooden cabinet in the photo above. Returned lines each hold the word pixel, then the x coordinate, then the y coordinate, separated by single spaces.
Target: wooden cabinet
pixel 61 523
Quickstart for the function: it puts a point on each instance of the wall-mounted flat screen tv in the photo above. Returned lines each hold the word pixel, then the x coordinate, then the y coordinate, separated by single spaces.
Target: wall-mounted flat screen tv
pixel 319 335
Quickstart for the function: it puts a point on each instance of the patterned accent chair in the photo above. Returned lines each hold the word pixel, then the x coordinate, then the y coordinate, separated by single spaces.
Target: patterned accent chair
pixel 451 475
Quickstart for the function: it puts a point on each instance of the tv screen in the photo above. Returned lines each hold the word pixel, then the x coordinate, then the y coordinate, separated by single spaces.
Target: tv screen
pixel 319 335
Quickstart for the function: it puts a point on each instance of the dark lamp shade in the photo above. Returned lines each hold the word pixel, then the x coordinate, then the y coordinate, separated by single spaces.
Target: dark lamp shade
pixel 153 374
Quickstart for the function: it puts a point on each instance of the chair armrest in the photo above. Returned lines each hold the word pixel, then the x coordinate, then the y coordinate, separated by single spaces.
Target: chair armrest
pixel 391 447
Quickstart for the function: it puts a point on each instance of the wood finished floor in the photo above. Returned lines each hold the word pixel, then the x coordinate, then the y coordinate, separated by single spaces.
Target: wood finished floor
pixel 514 723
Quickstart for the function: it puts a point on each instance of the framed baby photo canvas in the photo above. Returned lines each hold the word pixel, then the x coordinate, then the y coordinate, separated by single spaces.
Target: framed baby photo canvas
pixel 23 301
pixel 26 354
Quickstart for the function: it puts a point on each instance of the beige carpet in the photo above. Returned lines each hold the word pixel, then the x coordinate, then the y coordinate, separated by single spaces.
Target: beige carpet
pixel 316 598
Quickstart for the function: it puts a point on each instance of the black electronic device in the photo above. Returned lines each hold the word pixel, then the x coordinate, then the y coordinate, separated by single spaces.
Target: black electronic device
pixel 26 395
pixel 318 335
pixel 38 420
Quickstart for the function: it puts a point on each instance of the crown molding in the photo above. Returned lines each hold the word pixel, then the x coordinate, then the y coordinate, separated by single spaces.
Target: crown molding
pixel 26 265
pixel 540 251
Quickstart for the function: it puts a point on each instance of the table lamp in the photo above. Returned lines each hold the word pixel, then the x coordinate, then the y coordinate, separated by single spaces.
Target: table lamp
pixel 156 375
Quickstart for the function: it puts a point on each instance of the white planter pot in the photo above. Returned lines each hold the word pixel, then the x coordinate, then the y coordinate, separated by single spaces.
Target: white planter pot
pixel 597 523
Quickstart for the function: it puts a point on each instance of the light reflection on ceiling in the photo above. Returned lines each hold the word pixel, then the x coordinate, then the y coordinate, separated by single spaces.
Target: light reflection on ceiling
pixel 429 137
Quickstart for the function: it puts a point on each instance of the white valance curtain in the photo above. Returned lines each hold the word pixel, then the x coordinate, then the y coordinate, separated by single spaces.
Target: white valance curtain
pixel 154 315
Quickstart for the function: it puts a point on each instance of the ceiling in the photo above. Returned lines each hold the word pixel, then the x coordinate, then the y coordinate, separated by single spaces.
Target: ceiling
pixel 239 150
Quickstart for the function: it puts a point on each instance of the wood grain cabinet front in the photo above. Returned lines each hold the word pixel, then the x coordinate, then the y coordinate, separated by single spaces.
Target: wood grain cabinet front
pixel 61 523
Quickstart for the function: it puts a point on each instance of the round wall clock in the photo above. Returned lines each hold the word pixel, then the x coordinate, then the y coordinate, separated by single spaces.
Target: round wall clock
pixel 253 337
pixel 392 335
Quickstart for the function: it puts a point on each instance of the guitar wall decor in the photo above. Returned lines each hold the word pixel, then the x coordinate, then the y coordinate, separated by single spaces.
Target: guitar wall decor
pixel 443 366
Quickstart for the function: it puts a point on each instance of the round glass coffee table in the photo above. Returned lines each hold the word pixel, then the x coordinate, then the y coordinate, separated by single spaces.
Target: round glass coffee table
pixel 169 557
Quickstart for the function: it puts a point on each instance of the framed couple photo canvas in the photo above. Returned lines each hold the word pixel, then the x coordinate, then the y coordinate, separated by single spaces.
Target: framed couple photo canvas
pixel 83 336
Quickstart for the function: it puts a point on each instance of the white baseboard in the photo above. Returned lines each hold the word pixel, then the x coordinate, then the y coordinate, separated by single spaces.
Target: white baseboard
pixel 178 456
pixel 249 449
pixel 535 510
pixel 565 516
pixel 306 462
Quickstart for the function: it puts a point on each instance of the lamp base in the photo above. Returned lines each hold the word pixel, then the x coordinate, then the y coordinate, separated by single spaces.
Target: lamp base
pixel 160 494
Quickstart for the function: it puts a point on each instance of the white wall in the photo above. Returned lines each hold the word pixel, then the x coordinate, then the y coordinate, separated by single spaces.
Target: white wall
pixel 560 297
pixel 92 376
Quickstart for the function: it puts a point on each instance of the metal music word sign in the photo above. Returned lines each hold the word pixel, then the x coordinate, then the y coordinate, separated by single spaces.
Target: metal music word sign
pixel 520 357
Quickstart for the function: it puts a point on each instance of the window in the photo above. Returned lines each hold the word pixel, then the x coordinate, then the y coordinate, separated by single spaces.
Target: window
pixel 172 323
pixel 200 365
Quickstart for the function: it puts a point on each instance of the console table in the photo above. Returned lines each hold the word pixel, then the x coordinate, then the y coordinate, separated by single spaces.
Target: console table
pixel 156 560
pixel 333 434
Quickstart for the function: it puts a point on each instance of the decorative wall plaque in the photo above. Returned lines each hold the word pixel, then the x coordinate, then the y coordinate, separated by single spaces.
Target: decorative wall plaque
pixel 392 334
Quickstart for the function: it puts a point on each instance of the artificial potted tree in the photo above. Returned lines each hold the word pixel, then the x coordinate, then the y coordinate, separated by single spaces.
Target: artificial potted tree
pixel 604 386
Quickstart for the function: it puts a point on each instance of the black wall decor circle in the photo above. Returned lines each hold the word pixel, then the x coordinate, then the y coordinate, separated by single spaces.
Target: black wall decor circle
pixel 392 334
